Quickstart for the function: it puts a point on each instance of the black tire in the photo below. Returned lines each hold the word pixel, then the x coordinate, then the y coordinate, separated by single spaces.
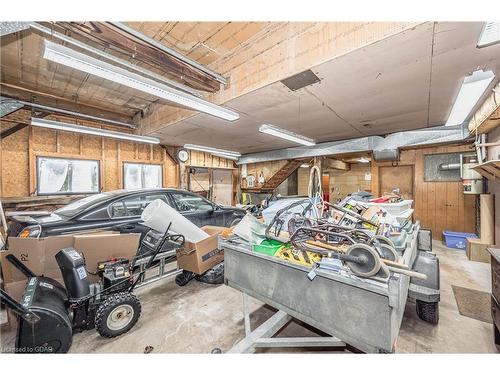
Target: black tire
pixel 214 275
pixel 184 278
pixel 129 305
pixel 428 311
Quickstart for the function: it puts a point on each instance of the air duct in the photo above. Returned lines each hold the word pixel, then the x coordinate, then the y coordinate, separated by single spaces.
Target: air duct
pixel 384 149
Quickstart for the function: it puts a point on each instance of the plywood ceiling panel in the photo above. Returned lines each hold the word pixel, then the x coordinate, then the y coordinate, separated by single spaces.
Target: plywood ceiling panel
pixel 406 81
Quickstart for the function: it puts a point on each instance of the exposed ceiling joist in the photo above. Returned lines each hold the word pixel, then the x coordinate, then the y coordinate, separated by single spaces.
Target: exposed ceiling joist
pixel 109 36
pixel 169 51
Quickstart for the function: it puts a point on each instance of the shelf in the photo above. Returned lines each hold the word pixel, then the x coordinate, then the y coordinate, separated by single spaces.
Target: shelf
pixel 489 169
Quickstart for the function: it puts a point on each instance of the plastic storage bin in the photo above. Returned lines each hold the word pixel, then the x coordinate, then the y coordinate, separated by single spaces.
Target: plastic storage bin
pixel 399 241
pixel 457 240
pixel 268 247
pixel 394 209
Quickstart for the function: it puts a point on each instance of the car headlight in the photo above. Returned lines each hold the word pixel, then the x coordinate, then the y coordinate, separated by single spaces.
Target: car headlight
pixel 33 231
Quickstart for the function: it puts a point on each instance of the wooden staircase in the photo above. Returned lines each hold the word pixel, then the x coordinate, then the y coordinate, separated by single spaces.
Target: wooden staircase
pixel 277 178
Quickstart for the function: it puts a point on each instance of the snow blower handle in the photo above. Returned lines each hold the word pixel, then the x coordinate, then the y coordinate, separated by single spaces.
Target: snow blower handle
pixel 18 308
pixel 20 266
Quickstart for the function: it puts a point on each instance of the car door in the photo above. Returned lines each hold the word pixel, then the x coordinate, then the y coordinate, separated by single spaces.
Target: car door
pixel 195 208
pixel 126 212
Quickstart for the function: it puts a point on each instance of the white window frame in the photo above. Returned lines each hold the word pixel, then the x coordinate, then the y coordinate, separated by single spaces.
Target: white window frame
pixel 38 179
pixel 125 163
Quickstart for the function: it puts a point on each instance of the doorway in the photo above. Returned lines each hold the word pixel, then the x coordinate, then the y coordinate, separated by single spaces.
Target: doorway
pixel 222 186
pixel 398 177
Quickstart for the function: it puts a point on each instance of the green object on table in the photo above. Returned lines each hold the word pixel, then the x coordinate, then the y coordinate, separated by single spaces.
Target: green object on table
pixel 268 247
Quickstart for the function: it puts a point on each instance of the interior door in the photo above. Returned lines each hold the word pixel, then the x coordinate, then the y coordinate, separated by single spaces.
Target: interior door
pixel 398 177
pixel 222 186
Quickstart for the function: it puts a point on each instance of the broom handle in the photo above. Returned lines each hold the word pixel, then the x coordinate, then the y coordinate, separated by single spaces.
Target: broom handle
pixel 414 274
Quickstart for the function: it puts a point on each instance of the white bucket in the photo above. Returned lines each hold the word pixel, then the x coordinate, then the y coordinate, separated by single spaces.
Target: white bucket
pixel 158 215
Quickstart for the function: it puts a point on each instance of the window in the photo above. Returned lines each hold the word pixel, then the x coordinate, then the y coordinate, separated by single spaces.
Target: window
pixel 133 206
pixel 140 176
pixel 67 176
pixel 187 202
pixel 81 204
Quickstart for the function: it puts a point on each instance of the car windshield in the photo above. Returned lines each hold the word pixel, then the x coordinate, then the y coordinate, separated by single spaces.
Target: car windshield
pixel 78 206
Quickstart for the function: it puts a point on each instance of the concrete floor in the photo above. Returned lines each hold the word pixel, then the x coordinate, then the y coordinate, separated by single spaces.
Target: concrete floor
pixel 199 317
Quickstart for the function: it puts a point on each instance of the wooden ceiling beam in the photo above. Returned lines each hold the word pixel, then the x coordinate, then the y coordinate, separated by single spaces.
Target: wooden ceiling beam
pixel 45 98
pixel 111 37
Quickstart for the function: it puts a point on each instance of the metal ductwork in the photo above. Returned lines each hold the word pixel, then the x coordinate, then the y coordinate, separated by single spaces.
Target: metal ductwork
pixel 386 154
pixel 321 149
pixel 384 149
pixel 449 166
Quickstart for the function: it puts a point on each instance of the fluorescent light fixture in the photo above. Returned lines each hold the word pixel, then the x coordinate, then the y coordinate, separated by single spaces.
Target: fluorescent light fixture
pixel 363 160
pixel 215 151
pixel 473 87
pixel 76 60
pixel 490 35
pixel 285 134
pixel 305 165
pixel 92 131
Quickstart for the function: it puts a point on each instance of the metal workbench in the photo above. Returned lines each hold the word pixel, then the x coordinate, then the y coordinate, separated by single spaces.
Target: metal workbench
pixel 363 313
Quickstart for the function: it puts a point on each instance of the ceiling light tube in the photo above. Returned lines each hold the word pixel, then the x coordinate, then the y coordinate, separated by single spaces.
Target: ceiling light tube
pixel 473 87
pixel 92 131
pixel 76 60
pixel 54 34
pixel 490 35
pixel 212 150
pixel 285 134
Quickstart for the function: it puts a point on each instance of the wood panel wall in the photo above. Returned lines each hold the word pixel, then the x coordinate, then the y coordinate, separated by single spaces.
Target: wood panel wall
pixel 438 205
pixel 202 159
pixel 343 183
pixel 18 154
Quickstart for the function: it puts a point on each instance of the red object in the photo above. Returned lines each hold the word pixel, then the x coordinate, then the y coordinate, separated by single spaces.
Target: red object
pixel 326 197
pixel 380 200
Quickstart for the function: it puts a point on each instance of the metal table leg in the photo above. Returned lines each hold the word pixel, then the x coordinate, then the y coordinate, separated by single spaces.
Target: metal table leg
pixel 262 336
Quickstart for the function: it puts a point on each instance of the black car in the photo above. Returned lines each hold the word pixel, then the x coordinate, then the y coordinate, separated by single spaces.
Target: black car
pixel 121 210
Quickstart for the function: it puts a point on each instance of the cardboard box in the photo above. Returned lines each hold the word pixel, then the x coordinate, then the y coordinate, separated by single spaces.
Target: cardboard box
pixel 476 250
pixel 199 257
pixel 38 254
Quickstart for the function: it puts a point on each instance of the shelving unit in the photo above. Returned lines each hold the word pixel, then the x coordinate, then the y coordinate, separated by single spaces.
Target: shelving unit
pixel 489 169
